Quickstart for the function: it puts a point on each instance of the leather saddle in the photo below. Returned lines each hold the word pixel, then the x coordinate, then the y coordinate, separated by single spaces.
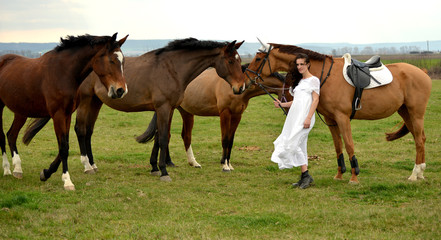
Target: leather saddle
pixel 359 73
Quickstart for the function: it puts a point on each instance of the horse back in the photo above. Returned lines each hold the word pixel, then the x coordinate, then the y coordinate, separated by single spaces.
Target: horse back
pixel 411 78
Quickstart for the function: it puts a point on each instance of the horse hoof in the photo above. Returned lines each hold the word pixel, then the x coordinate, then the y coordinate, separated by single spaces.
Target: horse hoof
pixel 166 178
pixel 69 188
pixel 155 173
pixel 171 164
pixel 339 178
pixel 226 170
pixel 95 168
pixel 42 177
pixel 18 175
pixel 412 178
pixel 195 165
pixel 89 171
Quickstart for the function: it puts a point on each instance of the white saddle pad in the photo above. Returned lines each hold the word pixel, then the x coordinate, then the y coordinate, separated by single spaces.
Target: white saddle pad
pixel 381 74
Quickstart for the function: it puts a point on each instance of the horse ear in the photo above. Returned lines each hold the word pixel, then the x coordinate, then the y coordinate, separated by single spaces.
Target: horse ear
pixel 113 38
pixel 265 46
pixel 231 48
pixel 237 46
pixel 123 40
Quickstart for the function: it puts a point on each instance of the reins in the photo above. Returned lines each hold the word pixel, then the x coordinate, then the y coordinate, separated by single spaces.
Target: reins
pixel 322 83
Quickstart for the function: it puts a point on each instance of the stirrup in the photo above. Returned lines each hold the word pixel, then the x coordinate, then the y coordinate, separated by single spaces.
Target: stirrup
pixel 357 104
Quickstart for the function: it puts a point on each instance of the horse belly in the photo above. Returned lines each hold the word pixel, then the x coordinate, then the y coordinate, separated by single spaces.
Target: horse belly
pixel 381 102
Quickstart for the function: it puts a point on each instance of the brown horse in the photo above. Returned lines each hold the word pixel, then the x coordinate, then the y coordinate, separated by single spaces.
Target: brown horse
pixel 46 87
pixel 407 94
pixel 157 81
pixel 207 96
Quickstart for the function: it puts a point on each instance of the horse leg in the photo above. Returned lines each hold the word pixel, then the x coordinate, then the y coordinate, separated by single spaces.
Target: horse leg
pixel 336 137
pixel 415 125
pixel 168 160
pixel 5 165
pixel 87 114
pixel 154 157
pixel 235 120
pixel 344 125
pixel 12 135
pixel 225 121
pixel 61 126
pixel 165 115
pixel 187 128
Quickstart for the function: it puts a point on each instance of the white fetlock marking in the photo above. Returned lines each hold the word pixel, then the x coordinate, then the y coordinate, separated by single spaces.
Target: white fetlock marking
pixel 85 162
pixel 16 161
pixel 230 166
pixel 6 166
pixel 420 174
pixel 415 171
pixel 95 167
pixel 67 182
pixel 191 159
pixel 225 167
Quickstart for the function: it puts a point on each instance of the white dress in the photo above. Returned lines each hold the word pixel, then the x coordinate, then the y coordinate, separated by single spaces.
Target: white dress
pixel 290 148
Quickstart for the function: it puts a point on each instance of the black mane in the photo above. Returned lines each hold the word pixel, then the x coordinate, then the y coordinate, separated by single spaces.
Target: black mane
pixel 80 41
pixel 190 44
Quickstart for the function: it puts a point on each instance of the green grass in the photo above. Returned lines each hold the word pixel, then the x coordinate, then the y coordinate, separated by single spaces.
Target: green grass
pixel 122 201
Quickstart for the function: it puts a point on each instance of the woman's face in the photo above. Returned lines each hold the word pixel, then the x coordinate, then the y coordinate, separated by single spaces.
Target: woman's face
pixel 302 66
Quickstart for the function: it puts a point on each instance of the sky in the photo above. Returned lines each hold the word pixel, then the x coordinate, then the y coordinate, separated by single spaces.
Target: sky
pixel 275 21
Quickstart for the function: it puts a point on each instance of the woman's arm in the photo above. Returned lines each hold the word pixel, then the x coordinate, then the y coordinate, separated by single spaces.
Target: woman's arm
pixel 315 101
pixel 278 103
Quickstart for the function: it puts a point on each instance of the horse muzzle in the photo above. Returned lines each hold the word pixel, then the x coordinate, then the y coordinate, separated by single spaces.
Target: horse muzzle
pixel 117 92
pixel 239 90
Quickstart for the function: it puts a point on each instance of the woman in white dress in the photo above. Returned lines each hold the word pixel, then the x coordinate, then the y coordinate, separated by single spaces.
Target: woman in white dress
pixel 290 148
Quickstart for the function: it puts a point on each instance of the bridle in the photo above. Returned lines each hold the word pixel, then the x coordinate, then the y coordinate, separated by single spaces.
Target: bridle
pixel 258 74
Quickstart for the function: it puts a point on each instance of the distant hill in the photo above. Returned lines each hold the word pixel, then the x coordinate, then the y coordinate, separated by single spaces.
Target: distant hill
pixel 138 47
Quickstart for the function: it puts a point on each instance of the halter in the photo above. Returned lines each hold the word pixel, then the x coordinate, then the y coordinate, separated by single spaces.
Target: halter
pixel 258 74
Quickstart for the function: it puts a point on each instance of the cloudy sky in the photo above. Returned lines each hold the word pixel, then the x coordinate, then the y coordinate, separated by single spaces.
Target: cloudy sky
pixel 278 21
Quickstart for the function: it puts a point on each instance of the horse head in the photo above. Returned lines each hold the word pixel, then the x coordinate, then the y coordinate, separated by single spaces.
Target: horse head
pixel 108 64
pixel 229 67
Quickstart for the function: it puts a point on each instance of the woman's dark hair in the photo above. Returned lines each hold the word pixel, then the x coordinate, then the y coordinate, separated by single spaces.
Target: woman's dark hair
pixel 293 75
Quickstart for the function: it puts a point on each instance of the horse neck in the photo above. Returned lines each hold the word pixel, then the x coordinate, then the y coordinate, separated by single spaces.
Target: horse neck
pixel 192 63
pixel 280 61
pixel 77 62
pixel 272 85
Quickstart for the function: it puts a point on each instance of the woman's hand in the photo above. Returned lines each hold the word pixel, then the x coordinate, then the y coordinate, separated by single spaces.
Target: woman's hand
pixel 307 123
pixel 277 103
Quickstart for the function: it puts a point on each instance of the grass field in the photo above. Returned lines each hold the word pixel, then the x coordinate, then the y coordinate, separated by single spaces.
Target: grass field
pixel 255 201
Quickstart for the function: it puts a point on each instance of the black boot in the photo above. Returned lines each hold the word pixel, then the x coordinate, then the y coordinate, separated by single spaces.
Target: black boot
pixel 297 184
pixel 306 180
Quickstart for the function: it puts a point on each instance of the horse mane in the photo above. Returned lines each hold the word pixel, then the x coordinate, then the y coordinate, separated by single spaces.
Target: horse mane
pixel 190 44
pixel 80 41
pixel 291 49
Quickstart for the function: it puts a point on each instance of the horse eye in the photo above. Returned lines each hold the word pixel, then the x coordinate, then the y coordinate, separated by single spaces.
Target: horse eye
pixel 258 59
pixel 230 62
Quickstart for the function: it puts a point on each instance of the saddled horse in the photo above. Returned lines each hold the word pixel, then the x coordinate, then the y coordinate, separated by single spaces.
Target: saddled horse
pixel 157 81
pixel 408 94
pixel 207 95
pixel 46 87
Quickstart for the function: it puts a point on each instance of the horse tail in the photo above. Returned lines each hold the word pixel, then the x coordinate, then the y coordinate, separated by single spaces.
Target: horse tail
pixel 149 134
pixel 34 127
pixel 398 134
